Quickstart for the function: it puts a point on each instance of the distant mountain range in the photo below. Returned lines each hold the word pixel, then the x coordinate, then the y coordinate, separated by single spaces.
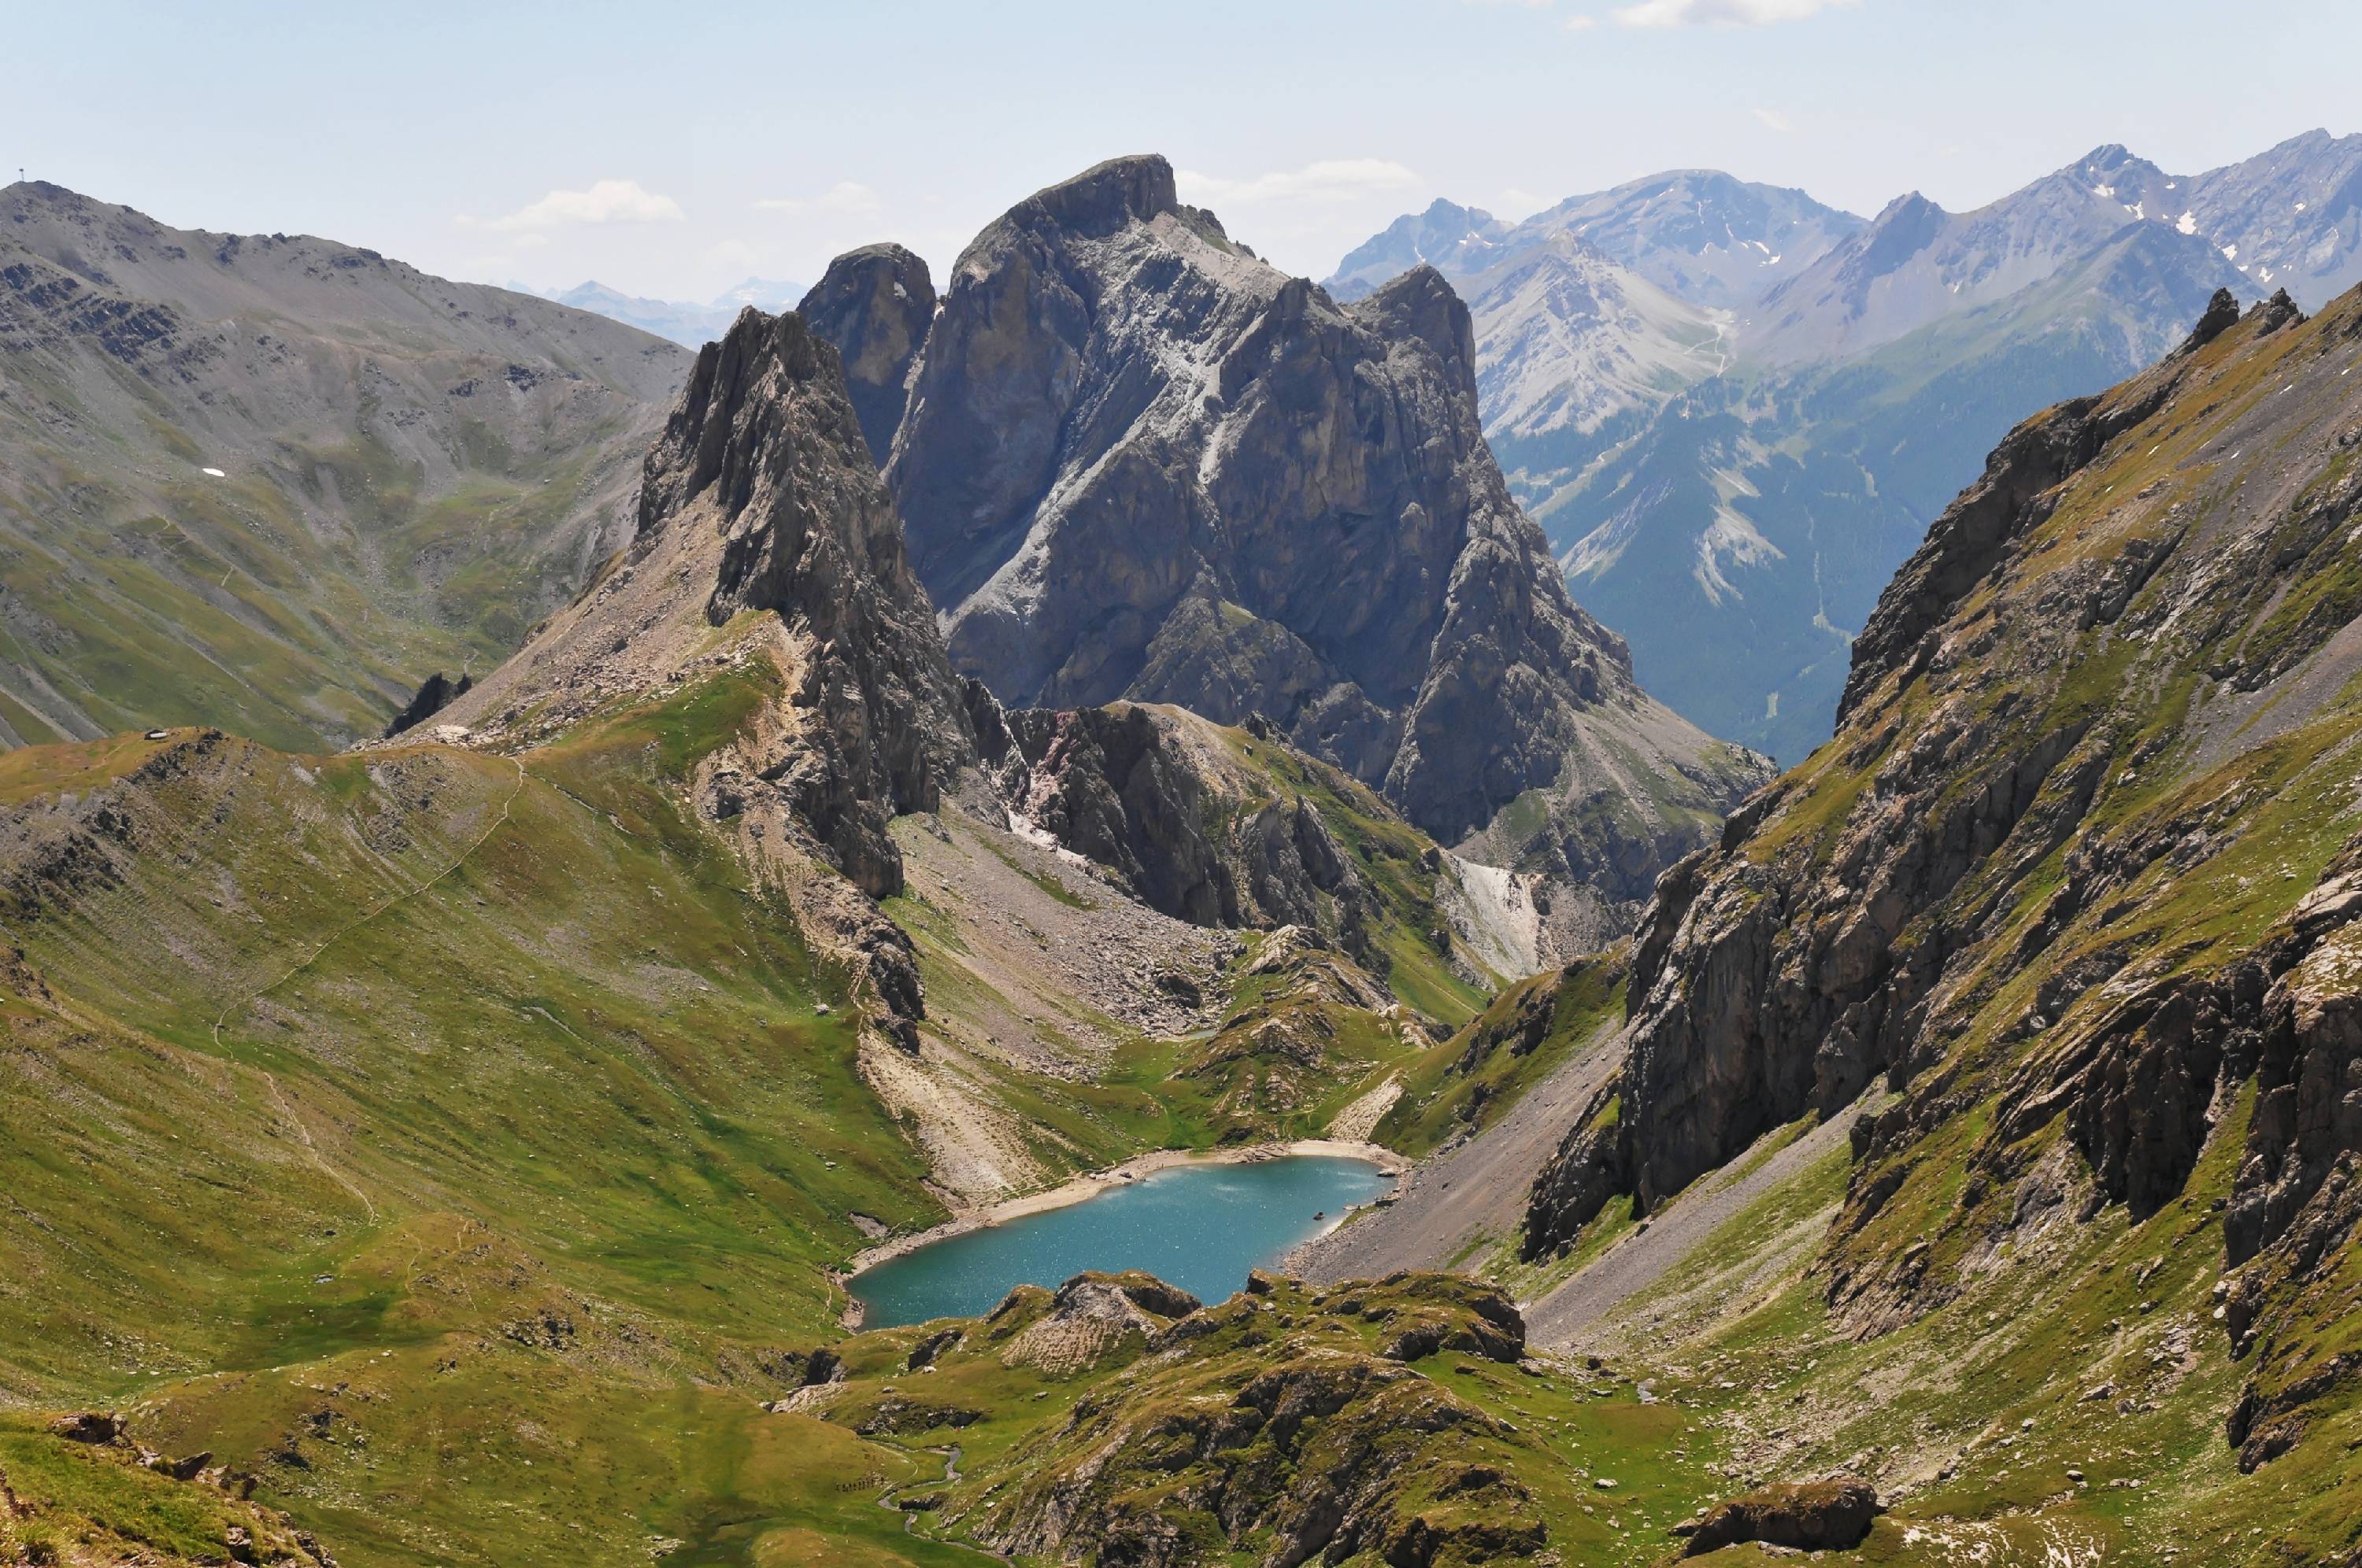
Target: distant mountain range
pixel 693 326
pixel 1735 410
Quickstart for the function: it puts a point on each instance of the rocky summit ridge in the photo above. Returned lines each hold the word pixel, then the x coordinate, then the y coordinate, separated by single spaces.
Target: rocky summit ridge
pixel 1139 462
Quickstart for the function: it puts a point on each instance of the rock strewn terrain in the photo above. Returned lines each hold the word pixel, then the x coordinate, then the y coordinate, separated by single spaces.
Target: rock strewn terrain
pixel 84 1493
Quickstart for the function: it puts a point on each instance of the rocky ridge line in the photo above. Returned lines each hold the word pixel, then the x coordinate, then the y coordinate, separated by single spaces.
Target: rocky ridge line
pixel 2009 883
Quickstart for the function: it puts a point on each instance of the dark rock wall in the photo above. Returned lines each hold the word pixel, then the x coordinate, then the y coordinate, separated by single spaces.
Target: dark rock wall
pixel 766 431
pixel 874 304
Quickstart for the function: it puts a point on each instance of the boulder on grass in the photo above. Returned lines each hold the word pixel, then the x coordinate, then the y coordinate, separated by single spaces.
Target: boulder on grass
pixel 1811 1516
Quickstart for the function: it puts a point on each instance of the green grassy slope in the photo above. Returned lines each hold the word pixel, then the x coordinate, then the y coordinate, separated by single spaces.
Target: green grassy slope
pixel 1226 1436
pixel 501 1081
pixel 462 1144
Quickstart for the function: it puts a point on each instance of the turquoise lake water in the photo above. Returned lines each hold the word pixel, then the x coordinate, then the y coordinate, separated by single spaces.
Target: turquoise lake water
pixel 1200 1227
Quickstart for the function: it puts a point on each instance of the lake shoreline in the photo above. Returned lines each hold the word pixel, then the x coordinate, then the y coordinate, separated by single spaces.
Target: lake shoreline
pixel 1083 1188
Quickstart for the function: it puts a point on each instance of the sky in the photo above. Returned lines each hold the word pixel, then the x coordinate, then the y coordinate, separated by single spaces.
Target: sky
pixel 674 150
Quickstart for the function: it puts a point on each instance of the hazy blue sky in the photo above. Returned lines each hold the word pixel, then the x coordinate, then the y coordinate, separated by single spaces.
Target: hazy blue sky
pixel 673 149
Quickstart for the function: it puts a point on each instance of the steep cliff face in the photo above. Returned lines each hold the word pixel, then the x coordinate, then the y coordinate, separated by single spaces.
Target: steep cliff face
pixel 1138 462
pixel 759 500
pixel 766 540
pixel 1142 791
pixel 876 305
pixel 1232 827
pixel 2074 877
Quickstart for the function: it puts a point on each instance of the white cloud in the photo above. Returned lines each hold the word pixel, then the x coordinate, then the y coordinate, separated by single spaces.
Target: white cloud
pixel 1722 13
pixel 1328 179
pixel 1581 24
pixel 1776 120
pixel 1517 201
pixel 1528 4
pixel 607 200
pixel 846 198
pixel 732 253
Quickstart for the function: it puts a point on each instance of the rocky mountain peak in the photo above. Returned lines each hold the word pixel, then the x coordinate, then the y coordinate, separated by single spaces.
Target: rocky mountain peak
pixel 1917 265
pixel 1442 216
pixel 874 304
pixel 1138 463
pixel 1903 226
pixel 1702 235
pixel 1104 197
pixel 1459 240
pixel 1419 305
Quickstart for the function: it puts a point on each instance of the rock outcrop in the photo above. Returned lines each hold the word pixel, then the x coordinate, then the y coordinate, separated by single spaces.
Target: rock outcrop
pixel 874 304
pixel 1589 1166
pixel 1094 1317
pixel 1149 794
pixel 87 1426
pixel 1267 1429
pixel 759 502
pixel 1814 1516
pixel 2076 873
pixel 436 692
pixel 1138 462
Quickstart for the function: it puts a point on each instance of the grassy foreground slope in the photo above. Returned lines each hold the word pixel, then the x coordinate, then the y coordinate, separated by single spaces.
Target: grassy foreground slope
pixel 459 1112
pixel 462 1143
